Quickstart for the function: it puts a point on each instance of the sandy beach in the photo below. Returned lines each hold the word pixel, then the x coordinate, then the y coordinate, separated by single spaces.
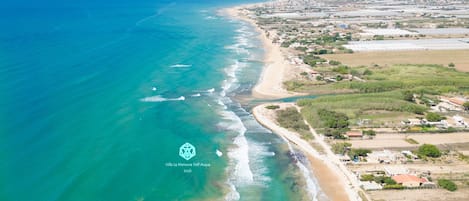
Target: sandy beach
pixel 270 85
pixel 276 70
pixel 331 178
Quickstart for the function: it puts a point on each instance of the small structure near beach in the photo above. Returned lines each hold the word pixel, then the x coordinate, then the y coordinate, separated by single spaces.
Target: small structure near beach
pixel 408 180
pixel 354 134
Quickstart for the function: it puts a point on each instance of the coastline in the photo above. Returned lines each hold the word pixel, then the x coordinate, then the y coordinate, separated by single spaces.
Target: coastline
pixel 276 70
pixel 270 85
pixel 322 167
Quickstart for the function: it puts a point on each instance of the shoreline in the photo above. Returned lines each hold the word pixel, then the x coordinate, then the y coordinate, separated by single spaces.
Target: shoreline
pixel 276 68
pixel 321 166
pixel 270 86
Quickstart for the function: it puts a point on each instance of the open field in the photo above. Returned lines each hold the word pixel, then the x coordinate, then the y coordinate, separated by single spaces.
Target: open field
pixel 420 195
pixel 422 44
pixel 398 140
pixel 443 57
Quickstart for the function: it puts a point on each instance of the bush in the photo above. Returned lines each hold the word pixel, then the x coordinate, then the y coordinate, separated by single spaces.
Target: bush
pixel 447 184
pixel 291 118
pixel 393 186
pixel 334 63
pixel 367 177
pixel 451 65
pixel 272 107
pixel 341 69
pixel 369 132
pixel 359 152
pixel 434 117
pixel 429 150
pixel 340 148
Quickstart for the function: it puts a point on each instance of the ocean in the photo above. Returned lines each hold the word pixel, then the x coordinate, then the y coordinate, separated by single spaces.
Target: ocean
pixel 97 99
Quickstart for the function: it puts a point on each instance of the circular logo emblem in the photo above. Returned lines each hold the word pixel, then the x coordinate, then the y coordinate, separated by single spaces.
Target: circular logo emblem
pixel 187 151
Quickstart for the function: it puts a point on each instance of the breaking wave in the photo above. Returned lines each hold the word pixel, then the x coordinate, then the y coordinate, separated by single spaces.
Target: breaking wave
pixel 161 99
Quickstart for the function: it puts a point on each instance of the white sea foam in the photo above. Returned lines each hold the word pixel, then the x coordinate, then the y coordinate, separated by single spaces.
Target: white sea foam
pixel 196 95
pixel 181 66
pixel 153 88
pixel 219 153
pixel 161 99
pixel 210 18
pixel 211 90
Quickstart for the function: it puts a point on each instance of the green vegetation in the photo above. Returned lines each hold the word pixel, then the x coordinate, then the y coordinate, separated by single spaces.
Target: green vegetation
pixel 341 147
pixel 358 152
pixel 367 177
pixel 434 117
pixel 335 123
pixel 354 105
pixel 369 132
pixel 408 96
pixel 292 119
pixel 411 141
pixel 466 105
pixel 272 107
pixel 388 181
pixel 393 186
pixel 334 63
pixel 312 60
pixel 428 150
pixel 447 184
pixel 451 65
pixel 342 69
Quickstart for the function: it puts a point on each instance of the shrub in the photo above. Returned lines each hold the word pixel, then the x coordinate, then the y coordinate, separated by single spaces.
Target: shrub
pixel 359 152
pixel 433 117
pixel 451 65
pixel 272 107
pixel 447 184
pixel 429 150
pixel 369 132
pixel 291 118
pixel 393 186
pixel 334 63
pixel 367 177
pixel 340 148
pixel 342 69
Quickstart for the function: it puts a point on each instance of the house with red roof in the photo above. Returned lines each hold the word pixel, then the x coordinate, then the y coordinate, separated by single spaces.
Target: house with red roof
pixel 409 180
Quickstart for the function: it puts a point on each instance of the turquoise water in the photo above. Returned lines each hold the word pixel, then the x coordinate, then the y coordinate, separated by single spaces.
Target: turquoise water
pixel 97 97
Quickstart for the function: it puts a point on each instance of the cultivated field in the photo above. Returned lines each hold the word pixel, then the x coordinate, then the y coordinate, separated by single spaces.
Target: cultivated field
pixel 382 141
pixel 443 57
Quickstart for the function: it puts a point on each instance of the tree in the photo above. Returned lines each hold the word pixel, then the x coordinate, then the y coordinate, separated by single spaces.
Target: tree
pixel 341 148
pixel 334 63
pixel 359 152
pixel 408 96
pixel 429 150
pixel 447 184
pixel 367 72
pixel 369 132
pixel 434 117
pixel 466 105
pixel 451 65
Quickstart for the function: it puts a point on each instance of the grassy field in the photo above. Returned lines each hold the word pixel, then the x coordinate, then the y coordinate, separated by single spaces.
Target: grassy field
pixel 358 106
pixel 382 98
pixel 442 57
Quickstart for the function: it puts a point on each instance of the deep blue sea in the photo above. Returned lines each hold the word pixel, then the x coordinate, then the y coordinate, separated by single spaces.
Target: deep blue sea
pixel 97 98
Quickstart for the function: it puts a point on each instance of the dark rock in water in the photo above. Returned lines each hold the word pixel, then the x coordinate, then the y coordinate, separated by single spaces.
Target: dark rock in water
pixel 297 156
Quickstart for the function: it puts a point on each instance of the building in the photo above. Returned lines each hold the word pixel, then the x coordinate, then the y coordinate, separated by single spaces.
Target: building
pixel 370 185
pixel 408 180
pixel 396 170
pixel 354 134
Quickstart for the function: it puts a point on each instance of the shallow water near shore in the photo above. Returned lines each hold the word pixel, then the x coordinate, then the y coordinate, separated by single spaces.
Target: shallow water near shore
pixel 98 97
